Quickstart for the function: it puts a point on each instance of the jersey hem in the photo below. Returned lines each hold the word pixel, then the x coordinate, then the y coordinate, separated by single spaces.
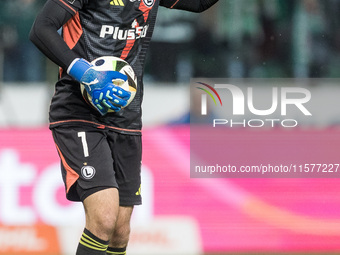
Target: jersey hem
pixel 96 125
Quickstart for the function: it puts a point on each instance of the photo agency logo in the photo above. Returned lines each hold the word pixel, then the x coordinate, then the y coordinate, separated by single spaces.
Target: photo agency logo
pixel 241 106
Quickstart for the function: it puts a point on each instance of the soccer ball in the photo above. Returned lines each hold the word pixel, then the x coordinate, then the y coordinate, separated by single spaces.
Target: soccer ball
pixel 109 63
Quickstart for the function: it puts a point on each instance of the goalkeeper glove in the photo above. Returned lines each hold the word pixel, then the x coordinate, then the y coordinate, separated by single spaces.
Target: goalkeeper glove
pixel 98 84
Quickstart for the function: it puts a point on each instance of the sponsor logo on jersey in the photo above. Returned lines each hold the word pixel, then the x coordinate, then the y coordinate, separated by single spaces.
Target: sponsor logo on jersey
pixel 88 172
pixel 123 34
pixel 117 3
pixel 71 1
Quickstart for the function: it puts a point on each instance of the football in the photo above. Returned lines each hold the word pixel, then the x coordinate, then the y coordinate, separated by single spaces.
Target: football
pixel 110 63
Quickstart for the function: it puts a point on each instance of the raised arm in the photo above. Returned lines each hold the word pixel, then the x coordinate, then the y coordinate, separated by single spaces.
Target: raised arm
pixel 44 33
pixel 98 84
pixel 188 5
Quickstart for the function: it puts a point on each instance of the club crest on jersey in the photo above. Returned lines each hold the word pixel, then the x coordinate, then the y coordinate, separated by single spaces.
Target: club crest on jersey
pixel 88 172
pixel 149 3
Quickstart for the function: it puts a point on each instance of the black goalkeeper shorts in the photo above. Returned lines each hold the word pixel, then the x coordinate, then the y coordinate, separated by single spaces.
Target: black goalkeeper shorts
pixel 93 159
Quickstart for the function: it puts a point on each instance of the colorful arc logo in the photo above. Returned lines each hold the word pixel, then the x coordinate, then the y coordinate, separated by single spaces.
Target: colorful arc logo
pixel 209 93
pixel 204 97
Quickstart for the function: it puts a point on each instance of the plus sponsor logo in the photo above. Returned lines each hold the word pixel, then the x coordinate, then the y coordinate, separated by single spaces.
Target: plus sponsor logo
pixel 117 33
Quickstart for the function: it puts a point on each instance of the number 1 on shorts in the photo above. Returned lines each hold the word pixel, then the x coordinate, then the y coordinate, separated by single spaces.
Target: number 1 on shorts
pixel 82 135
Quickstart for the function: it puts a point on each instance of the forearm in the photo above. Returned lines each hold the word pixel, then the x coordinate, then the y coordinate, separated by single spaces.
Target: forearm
pixel 44 34
pixel 189 5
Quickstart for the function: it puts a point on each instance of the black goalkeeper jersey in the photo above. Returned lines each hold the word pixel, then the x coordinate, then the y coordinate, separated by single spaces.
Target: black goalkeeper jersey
pixel 120 28
pixel 95 28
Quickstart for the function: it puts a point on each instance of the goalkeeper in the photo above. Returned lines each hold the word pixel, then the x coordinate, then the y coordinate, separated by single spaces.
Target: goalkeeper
pixel 100 151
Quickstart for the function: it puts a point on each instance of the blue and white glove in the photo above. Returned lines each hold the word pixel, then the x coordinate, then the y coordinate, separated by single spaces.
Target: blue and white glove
pixel 98 84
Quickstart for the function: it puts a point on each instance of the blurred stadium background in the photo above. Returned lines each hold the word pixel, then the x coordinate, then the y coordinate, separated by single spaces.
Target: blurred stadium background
pixel 237 38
